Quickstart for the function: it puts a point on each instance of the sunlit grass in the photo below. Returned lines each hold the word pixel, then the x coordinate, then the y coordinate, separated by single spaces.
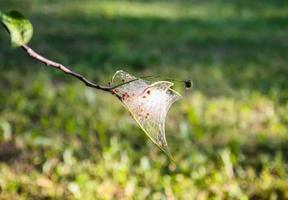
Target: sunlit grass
pixel 228 135
pixel 204 10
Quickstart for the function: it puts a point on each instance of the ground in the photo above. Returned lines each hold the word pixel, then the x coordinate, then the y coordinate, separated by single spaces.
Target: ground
pixel 228 135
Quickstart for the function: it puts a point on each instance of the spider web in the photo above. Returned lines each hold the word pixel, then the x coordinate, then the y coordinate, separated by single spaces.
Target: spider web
pixel 149 104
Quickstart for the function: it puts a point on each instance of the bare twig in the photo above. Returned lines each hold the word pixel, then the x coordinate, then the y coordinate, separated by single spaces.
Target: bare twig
pixel 65 69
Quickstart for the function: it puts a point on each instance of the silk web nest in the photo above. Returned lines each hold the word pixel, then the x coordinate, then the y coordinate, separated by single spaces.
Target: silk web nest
pixel 148 104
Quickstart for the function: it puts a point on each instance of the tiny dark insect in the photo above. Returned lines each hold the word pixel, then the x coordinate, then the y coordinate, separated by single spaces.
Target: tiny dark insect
pixel 188 83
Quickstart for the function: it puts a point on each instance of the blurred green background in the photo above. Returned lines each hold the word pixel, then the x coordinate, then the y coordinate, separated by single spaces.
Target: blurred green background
pixel 229 134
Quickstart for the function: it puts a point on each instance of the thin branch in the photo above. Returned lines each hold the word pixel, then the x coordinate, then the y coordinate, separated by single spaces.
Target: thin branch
pixel 65 69
pixel 68 71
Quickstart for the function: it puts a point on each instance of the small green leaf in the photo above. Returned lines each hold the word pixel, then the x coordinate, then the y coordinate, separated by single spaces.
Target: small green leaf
pixel 20 28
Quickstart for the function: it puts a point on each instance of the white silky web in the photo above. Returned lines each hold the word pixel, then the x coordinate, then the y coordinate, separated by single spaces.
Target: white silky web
pixel 149 104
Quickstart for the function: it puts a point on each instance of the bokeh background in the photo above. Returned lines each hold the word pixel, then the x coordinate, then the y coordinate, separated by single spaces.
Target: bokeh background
pixel 62 140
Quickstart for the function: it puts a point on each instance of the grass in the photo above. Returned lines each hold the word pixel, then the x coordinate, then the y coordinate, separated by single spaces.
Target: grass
pixel 61 140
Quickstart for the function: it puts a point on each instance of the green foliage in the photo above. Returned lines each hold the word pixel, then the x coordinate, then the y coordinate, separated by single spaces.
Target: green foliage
pixel 61 140
pixel 20 28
